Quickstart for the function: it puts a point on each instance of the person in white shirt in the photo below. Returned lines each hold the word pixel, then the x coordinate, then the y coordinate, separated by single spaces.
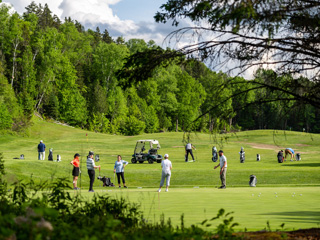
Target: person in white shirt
pixel 189 148
pixel 166 166
pixel 223 169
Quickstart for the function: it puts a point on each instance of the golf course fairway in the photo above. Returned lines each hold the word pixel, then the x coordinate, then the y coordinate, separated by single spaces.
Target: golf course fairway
pixel 286 193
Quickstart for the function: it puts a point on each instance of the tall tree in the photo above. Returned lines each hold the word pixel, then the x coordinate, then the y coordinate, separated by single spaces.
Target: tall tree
pixel 283 34
pixel 106 37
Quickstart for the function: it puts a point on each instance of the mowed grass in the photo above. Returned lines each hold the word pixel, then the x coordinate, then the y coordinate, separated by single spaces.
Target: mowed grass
pixel 296 207
pixel 193 185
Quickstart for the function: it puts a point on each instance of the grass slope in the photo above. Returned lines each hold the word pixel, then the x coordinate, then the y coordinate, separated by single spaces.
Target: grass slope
pixel 251 211
pixel 66 141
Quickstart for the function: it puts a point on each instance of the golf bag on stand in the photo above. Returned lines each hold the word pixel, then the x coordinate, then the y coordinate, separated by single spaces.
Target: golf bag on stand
pixel 280 156
pixel 214 154
pixel 253 181
pixel 298 156
pixel 50 157
pixel 242 155
pixel 106 181
pixel 258 157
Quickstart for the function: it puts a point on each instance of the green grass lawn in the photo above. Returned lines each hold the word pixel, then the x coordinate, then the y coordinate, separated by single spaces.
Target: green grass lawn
pixel 296 207
pixel 197 204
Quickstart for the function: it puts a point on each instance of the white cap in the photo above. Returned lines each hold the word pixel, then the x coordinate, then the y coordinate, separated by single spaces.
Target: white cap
pixel 166 155
pixel 41 141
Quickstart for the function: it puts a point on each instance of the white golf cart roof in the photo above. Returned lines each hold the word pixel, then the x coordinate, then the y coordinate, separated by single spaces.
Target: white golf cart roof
pixel 152 141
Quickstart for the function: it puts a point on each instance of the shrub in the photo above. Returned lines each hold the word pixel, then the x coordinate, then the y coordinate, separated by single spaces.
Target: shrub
pixel 5 117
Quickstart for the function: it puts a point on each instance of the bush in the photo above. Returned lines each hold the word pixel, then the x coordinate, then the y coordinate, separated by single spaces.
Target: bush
pixel 132 126
pixel 5 117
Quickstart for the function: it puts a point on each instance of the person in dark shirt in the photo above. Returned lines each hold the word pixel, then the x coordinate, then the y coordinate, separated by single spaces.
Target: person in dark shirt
pixel 41 150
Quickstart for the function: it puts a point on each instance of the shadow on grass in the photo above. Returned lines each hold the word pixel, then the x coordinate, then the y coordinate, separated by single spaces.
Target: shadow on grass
pixel 298 216
pixel 302 165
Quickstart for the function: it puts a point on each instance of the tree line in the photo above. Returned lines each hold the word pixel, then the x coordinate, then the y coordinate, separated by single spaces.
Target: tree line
pixel 73 75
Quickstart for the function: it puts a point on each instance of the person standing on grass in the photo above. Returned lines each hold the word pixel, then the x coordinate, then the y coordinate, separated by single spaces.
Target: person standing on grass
pixel 189 148
pixel 119 169
pixel 41 150
pixel 223 169
pixel 289 151
pixel 166 166
pixel 91 169
pixel 76 170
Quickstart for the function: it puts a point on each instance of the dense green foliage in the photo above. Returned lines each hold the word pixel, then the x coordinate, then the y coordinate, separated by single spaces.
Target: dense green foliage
pixel 70 74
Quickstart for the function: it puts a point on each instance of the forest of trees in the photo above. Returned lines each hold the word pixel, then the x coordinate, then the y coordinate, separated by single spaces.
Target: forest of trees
pixel 69 74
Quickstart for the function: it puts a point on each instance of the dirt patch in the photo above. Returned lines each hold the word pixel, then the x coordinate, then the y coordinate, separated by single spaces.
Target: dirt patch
pixel 178 146
pixel 310 234
pixel 302 145
pixel 263 146
pixel 276 148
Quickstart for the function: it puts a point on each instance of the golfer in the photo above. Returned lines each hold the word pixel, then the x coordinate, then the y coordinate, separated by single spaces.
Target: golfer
pixel 223 169
pixel 91 172
pixel 289 151
pixel 189 148
pixel 166 166
pixel 76 170
pixel 119 169
pixel 41 150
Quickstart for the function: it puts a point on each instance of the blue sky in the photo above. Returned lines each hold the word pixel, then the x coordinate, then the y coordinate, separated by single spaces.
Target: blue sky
pixel 126 18
pixel 137 10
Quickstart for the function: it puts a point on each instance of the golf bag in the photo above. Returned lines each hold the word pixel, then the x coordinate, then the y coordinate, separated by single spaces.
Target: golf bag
pixel 50 157
pixel 21 156
pixel 253 181
pixel 258 157
pixel 58 158
pixel 214 154
pixel 280 157
pixel 106 181
pixel 298 157
pixel 242 155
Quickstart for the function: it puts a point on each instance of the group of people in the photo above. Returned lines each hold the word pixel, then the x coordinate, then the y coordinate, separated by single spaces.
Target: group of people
pixel 166 166
pixel 120 164
pixel 118 169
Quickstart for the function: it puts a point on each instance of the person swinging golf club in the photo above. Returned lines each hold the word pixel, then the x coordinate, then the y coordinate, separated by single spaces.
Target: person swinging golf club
pixel 91 169
pixel 223 169
pixel 166 166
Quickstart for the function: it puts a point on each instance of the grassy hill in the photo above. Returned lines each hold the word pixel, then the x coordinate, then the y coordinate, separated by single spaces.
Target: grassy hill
pixel 66 141
pixel 286 193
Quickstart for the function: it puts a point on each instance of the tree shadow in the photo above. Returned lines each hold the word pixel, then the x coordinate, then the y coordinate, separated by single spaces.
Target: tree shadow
pixel 301 165
pixel 301 216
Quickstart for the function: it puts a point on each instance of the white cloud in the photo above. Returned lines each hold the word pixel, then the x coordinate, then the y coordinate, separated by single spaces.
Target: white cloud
pixel 93 13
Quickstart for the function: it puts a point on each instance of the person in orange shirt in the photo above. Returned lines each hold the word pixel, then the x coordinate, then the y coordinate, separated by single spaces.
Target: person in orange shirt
pixel 76 170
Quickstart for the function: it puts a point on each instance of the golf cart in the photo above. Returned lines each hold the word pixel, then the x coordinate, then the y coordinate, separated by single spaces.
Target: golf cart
pixel 146 150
